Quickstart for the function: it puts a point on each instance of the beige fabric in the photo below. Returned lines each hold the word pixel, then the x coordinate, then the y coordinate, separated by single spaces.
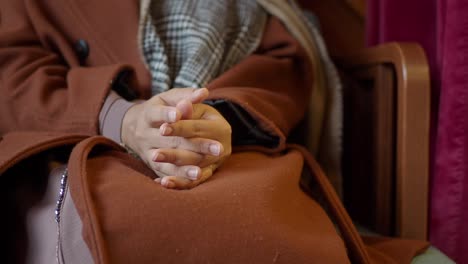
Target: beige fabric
pixel 324 117
pixel 41 226
pixel 111 116
pixel 43 233
pixel 72 245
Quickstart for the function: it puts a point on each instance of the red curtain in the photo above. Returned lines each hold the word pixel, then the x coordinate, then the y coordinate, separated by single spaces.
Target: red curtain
pixel 441 27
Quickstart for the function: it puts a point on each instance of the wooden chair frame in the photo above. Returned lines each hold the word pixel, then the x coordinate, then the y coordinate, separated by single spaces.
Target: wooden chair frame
pixel 412 110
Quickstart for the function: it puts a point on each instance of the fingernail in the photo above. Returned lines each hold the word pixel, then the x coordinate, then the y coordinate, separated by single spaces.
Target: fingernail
pixel 198 92
pixel 192 174
pixel 215 149
pixel 159 157
pixel 172 116
pixel 166 130
pixel 158 180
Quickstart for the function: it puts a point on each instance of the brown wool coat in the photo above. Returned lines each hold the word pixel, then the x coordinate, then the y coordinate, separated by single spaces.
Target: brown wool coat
pixel 251 211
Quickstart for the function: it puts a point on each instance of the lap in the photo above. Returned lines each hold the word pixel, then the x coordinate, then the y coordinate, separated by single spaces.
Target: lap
pixel 251 209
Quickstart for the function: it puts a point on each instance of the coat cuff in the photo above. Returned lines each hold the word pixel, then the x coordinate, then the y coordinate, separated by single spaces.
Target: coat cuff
pixel 112 114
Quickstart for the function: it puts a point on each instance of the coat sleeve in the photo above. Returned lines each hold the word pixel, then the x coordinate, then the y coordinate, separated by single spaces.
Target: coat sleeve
pixel 38 90
pixel 272 85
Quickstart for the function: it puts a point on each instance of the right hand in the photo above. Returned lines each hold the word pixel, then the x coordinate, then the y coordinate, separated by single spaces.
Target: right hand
pixel 140 132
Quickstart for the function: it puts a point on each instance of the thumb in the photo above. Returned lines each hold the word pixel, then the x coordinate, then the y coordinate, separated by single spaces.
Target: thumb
pixel 175 95
pixel 199 95
pixel 186 109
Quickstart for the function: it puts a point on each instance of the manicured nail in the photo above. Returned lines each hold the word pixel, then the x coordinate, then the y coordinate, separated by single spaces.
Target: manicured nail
pixel 158 180
pixel 159 157
pixel 215 149
pixel 192 174
pixel 172 116
pixel 166 130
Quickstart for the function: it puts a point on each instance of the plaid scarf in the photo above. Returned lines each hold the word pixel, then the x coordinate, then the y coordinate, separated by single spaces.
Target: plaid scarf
pixel 189 43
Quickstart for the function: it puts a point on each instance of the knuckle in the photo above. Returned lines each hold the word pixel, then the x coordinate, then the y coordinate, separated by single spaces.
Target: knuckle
pixel 156 166
pixel 198 159
pixel 147 113
pixel 156 170
pixel 178 129
pixel 197 128
pixel 226 128
pixel 211 159
pixel 181 171
pixel 176 142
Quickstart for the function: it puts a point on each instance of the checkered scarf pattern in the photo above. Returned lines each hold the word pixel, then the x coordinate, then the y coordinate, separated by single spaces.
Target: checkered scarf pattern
pixel 189 43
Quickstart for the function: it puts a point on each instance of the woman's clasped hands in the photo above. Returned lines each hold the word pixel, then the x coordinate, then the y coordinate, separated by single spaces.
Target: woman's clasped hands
pixel 182 140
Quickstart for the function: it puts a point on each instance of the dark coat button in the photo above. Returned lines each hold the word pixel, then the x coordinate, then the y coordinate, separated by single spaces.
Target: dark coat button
pixel 82 50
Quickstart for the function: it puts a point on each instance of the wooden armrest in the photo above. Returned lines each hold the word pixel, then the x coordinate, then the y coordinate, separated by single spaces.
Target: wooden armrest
pixel 412 116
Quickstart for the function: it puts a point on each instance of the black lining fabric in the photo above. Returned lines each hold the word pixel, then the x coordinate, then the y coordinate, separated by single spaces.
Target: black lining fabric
pixel 245 130
pixel 121 86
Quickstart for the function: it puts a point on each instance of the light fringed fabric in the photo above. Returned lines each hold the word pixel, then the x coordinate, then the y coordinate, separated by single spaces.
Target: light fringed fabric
pixel 188 43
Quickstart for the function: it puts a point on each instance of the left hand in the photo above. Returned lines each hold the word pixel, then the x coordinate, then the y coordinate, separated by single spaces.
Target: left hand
pixel 206 123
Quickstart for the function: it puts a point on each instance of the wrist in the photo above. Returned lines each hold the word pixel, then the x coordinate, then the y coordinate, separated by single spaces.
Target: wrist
pixel 129 124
